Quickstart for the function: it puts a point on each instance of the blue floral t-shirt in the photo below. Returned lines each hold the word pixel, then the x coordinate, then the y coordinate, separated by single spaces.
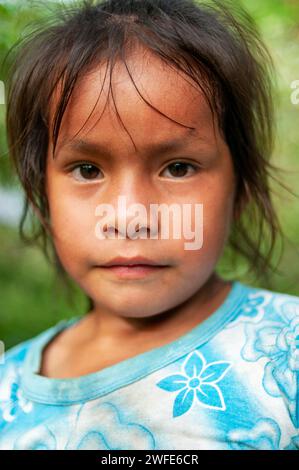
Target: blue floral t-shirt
pixel 232 382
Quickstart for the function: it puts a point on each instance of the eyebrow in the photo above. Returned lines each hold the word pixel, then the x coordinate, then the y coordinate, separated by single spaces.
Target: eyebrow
pixel 88 147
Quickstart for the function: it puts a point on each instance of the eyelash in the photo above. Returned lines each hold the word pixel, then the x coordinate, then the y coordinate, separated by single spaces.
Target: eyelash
pixel 78 166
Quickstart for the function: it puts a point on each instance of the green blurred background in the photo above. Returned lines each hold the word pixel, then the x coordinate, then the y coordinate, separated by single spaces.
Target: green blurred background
pixel 30 298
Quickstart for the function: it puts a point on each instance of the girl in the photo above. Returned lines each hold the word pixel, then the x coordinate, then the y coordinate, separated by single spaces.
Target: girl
pixel 169 355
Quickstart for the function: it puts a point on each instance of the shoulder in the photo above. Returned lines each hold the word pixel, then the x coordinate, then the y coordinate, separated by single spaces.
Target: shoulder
pixel 272 319
pixel 268 305
pixel 271 324
pixel 12 359
pixel 12 370
pixel 11 366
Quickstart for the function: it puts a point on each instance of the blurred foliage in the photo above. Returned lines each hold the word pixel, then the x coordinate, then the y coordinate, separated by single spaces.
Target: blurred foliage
pixel 17 19
pixel 31 299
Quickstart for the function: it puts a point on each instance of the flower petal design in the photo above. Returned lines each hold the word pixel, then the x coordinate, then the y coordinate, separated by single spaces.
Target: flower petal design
pixel 183 402
pixel 94 440
pixel 276 341
pixel 201 379
pixel 194 364
pixel 289 310
pixel 38 438
pixel 266 340
pixel 210 396
pixel 286 380
pixel 10 411
pixel 172 383
pixel 264 435
pixel 269 384
pixel 215 371
pixel 253 310
pixel 250 351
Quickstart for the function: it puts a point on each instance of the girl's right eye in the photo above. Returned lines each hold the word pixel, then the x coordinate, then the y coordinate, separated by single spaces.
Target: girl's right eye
pixel 85 172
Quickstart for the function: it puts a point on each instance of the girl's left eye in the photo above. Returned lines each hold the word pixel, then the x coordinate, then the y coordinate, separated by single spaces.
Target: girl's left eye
pixel 178 169
pixel 85 171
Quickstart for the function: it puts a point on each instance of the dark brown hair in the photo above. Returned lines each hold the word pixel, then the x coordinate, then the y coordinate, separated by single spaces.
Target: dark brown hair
pixel 216 44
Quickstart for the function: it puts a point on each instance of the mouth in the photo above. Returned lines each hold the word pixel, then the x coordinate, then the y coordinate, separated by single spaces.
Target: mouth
pixel 134 268
pixel 133 271
pixel 133 261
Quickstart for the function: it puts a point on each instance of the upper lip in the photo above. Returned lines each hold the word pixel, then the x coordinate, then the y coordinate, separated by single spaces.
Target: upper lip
pixel 119 260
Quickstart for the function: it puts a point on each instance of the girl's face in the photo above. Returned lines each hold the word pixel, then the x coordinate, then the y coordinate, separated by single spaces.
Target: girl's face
pixel 204 176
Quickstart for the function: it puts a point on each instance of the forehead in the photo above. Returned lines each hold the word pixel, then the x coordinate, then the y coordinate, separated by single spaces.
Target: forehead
pixel 151 98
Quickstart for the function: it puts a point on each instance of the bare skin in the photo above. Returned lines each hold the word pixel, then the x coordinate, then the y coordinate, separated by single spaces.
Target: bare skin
pixel 74 352
pixel 134 316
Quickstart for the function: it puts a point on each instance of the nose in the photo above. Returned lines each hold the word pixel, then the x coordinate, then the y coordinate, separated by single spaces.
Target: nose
pixel 129 213
pixel 128 219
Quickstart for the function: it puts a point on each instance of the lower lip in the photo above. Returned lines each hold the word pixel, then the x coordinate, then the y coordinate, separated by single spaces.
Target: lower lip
pixel 135 271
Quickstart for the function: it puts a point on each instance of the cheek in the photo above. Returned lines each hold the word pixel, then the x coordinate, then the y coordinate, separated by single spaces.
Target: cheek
pixel 73 225
pixel 219 206
pixel 212 227
pixel 218 214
